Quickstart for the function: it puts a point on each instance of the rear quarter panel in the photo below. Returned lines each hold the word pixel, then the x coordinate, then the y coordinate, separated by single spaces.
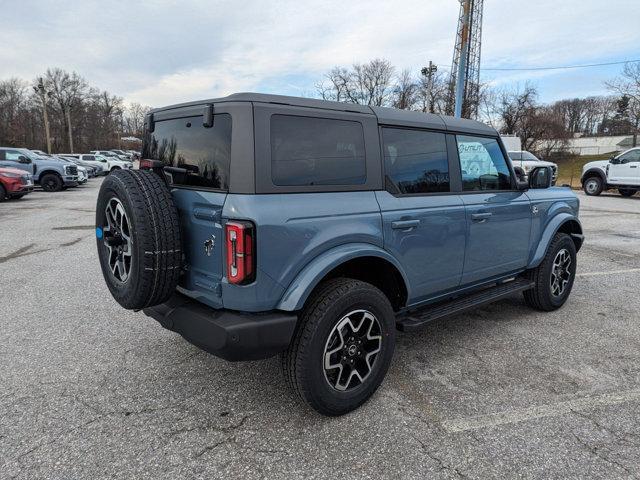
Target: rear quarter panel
pixel 293 230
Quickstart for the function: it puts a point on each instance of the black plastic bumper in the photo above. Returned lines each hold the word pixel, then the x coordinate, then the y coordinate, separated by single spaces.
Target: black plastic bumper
pixel 227 334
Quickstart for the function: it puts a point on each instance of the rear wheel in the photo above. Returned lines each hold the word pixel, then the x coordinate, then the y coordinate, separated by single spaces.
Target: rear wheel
pixel 342 348
pixel 553 278
pixel 51 182
pixel 627 192
pixel 593 186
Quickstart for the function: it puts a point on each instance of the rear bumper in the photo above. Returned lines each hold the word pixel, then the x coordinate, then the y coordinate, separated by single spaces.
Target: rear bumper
pixel 227 334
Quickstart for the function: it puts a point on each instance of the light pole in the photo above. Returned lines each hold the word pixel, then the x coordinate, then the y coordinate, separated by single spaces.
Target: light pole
pixel 42 92
pixel 428 72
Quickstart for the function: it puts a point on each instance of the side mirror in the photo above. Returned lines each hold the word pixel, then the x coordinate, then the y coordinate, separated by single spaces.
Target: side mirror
pixel 23 159
pixel 614 161
pixel 521 178
pixel 540 177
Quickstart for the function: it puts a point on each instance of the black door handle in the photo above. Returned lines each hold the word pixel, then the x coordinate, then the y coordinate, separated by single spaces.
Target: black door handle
pixel 405 224
pixel 480 217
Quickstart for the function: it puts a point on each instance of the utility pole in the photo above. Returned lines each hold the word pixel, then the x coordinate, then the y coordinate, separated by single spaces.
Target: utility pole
pixel 428 72
pixel 70 131
pixel 42 92
pixel 462 65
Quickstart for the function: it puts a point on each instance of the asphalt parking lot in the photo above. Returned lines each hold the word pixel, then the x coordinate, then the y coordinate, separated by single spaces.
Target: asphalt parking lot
pixel 89 390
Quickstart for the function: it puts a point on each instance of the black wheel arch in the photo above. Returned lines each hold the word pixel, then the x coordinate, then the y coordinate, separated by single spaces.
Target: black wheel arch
pixel 594 172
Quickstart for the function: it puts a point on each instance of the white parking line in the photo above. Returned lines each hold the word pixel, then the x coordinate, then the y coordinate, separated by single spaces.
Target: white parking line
pixel 539 411
pixel 610 272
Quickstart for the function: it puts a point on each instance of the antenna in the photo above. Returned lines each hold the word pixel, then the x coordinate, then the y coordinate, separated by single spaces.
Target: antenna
pixel 464 84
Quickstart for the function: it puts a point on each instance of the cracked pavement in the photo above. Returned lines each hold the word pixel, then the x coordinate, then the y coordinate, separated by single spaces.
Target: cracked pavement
pixel 89 390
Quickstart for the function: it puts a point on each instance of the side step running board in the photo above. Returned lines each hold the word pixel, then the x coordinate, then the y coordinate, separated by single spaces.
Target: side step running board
pixel 418 318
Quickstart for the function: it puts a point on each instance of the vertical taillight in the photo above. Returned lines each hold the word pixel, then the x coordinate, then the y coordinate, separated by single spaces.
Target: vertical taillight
pixel 240 239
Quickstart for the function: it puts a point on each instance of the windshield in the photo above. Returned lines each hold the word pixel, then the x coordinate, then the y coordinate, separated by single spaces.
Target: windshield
pixel 529 156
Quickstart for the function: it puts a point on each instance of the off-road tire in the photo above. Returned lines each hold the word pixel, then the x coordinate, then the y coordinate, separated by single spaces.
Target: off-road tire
pixel 540 296
pixel 51 182
pixel 3 193
pixel 302 362
pixel 154 226
pixel 627 192
pixel 598 188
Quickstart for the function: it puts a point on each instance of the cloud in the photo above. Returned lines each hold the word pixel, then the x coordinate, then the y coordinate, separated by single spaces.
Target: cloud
pixel 161 52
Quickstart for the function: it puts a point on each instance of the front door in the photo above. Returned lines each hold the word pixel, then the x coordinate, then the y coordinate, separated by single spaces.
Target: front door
pixel 498 216
pixel 11 158
pixel 423 222
pixel 627 169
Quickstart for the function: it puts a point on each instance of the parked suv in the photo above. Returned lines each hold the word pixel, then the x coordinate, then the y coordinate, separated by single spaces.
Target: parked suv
pixel 98 162
pixel 14 183
pixel 52 175
pixel 263 225
pixel 620 171
pixel 111 155
pixel 528 161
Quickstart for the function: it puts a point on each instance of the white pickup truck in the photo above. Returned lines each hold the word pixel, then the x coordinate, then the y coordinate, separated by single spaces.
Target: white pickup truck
pixel 620 171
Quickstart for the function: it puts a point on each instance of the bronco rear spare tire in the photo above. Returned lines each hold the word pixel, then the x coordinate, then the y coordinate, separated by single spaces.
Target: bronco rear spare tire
pixel 138 238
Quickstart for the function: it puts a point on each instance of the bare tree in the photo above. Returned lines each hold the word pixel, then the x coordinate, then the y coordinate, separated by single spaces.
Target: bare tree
pixel 134 119
pixel 366 83
pixel 68 91
pixel 628 86
pixel 405 92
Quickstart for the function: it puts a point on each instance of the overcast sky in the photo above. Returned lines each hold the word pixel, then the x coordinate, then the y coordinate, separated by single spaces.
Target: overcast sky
pixel 160 52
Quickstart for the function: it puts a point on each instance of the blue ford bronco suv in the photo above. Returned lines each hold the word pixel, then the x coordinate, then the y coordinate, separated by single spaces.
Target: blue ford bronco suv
pixel 261 225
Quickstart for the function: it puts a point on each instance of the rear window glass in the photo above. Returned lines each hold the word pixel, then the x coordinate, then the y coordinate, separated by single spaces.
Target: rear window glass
pixel 415 161
pixel 316 151
pixel 202 154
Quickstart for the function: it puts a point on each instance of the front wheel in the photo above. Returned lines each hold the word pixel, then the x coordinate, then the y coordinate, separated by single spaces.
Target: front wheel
pixel 593 186
pixel 342 348
pixel 51 182
pixel 627 192
pixel 3 193
pixel 553 278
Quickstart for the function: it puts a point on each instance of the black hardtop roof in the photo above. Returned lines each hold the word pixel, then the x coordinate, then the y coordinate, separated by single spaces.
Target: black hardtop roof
pixel 386 116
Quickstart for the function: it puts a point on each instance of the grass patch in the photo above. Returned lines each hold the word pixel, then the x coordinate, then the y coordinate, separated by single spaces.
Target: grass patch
pixel 570 167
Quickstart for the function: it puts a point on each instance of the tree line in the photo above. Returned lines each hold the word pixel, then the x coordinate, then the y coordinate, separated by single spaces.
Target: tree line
pixel 542 128
pixel 81 117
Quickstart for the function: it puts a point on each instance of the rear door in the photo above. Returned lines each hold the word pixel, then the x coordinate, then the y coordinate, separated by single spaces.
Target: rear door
pixel 424 223
pixel 498 216
pixel 197 159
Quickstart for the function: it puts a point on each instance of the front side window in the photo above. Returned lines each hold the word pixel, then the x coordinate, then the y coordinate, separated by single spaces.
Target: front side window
pixel 203 154
pixel 13 155
pixel 483 164
pixel 632 156
pixel 316 151
pixel 415 161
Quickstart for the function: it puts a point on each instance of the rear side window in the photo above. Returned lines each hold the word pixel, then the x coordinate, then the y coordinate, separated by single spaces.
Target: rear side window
pixel 483 164
pixel 316 151
pixel 204 154
pixel 415 161
pixel 89 157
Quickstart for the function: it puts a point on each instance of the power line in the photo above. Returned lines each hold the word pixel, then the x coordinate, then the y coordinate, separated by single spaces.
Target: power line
pixel 561 67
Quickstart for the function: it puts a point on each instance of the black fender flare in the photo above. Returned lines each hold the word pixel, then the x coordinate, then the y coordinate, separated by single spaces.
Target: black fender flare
pixel 593 172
